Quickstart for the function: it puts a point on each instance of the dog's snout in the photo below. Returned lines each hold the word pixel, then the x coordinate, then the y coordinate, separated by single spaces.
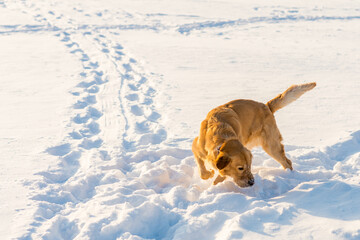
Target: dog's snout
pixel 251 182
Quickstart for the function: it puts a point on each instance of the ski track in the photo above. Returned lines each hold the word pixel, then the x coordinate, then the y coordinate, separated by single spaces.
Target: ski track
pixel 154 21
pixel 188 28
pixel 116 155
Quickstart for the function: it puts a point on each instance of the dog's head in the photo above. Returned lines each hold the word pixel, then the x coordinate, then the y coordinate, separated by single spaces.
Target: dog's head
pixel 234 160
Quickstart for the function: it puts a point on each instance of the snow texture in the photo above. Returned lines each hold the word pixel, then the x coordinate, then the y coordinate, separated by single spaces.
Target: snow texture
pixel 100 101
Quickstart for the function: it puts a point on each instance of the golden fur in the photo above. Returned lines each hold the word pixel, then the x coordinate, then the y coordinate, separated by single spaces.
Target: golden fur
pixel 230 130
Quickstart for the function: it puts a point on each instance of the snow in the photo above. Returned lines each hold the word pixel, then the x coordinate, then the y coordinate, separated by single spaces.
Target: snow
pixel 100 101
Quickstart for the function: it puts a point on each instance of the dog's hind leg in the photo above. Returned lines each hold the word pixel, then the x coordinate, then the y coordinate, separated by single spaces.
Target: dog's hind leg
pixel 276 150
pixel 271 143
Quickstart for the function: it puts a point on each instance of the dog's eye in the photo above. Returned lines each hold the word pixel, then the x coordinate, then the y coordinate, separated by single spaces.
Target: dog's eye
pixel 240 168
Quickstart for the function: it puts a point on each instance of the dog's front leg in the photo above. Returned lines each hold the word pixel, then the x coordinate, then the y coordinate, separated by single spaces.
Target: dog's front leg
pixel 219 179
pixel 204 173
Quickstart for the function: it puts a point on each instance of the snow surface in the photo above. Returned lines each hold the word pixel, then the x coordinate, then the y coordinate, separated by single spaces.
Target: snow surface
pixel 100 101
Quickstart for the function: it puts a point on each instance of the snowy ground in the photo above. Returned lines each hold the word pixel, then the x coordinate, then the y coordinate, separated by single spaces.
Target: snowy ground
pixel 100 101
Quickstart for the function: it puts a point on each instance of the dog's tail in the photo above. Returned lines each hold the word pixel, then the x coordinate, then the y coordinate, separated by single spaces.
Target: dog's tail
pixel 290 95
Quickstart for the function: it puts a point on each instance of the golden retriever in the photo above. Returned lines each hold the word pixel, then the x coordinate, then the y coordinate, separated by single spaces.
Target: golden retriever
pixel 231 130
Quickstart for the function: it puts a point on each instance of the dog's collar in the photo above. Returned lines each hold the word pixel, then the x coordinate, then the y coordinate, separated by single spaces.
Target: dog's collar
pixel 218 148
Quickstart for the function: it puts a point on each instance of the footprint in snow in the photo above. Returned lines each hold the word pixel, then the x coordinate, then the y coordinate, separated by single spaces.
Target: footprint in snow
pixel 142 127
pixel 59 150
pixel 154 116
pixel 89 144
pixel 76 51
pixel 136 110
pixel 91 113
pixel 132 97
pixel 92 89
pixel 90 129
pixel 70 45
pixel 94 65
pixel 133 87
pixel 119 47
pixel 85 84
pixel 105 50
pixel 127 67
pixel 86 101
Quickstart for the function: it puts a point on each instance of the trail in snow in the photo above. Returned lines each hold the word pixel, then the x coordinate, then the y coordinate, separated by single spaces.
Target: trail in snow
pixel 118 177
pixel 183 24
pixel 114 116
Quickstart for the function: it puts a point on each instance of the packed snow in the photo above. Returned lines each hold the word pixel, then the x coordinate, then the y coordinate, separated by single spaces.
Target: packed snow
pixel 100 102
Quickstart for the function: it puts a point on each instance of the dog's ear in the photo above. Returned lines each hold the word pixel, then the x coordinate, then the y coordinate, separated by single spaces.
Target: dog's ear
pixel 222 162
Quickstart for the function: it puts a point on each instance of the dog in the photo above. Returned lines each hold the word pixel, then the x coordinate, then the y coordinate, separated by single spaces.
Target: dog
pixel 230 131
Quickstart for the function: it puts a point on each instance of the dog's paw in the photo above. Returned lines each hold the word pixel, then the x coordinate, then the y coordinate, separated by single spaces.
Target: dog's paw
pixel 219 179
pixel 207 174
pixel 288 165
